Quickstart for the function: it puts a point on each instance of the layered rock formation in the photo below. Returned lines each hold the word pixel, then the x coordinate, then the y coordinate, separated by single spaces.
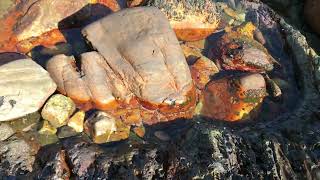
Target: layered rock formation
pixel 143 65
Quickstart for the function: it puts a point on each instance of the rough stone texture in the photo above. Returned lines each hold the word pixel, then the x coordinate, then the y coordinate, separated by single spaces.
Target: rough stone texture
pixel 58 109
pixel 311 11
pixel 234 98
pixel 25 86
pixel 237 50
pixel 17 156
pixel 103 128
pixel 77 120
pixel 5 131
pixel 139 61
pixel 44 16
pixel 192 20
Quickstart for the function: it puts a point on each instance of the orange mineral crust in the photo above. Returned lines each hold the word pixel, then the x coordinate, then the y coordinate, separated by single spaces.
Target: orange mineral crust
pixel 234 99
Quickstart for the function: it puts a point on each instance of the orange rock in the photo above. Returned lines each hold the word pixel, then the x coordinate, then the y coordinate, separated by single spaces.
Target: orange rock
pixel 234 98
pixel 237 50
pixel 47 39
pixel 202 70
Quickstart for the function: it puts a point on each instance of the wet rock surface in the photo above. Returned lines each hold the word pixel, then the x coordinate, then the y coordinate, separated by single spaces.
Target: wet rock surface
pixel 25 86
pixel 282 142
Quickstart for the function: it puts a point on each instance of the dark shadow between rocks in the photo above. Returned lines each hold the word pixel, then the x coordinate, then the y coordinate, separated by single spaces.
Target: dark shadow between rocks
pixel 9 57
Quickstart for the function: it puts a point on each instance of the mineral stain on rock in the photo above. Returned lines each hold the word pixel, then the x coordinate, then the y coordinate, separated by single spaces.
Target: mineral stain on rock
pixel 280 145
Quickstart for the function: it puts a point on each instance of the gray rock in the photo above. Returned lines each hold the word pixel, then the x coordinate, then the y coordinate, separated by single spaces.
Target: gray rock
pixel 66 131
pixel 5 131
pixel 17 156
pixel 24 85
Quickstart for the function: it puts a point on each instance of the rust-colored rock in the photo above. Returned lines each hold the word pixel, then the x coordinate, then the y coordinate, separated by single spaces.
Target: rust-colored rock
pixel 139 65
pixel 234 98
pixel 237 50
pixel 30 23
pixel 202 70
pixel 311 11
pixel 191 20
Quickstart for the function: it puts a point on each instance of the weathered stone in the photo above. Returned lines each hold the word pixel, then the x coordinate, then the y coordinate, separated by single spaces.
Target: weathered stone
pixel 234 98
pixel 17 155
pixel 121 75
pixel 77 121
pixel 311 12
pixel 237 50
pixel 202 70
pixel 66 131
pixel 46 139
pixel 139 131
pixel 58 109
pixel 104 128
pixel 24 85
pixel 56 167
pixel 47 129
pixel 26 123
pixel 5 131
pixel 192 20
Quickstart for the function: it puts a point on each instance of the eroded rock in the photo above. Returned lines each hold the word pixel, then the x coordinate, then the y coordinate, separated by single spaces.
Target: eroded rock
pixel 237 50
pixel 234 98
pixel 77 121
pixel 24 84
pixel 191 20
pixel 143 65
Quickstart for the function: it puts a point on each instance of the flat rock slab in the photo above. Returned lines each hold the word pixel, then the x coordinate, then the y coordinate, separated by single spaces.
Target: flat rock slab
pixel 24 85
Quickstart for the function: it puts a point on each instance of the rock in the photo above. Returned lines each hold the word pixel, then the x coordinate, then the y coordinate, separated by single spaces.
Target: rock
pixel 118 76
pixel 46 139
pixel 5 6
pixel 77 121
pixel 66 131
pixel 47 129
pixel 57 110
pixel 311 12
pixel 234 98
pixel 163 136
pixel 105 128
pixel 24 85
pixel 17 156
pixel 56 167
pixel 192 20
pixel 237 50
pixel 26 123
pixel 5 131
pixel 192 54
pixel 44 16
pixel 139 131
pixel 202 70
pixel 273 88
pixel 134 3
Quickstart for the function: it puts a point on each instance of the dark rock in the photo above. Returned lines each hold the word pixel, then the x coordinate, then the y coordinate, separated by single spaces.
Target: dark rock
pixel 66 131
pixel 17 157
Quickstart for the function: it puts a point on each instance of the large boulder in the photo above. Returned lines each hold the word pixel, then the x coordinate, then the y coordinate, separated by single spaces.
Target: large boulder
pixel 139 61
pixel 24 84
